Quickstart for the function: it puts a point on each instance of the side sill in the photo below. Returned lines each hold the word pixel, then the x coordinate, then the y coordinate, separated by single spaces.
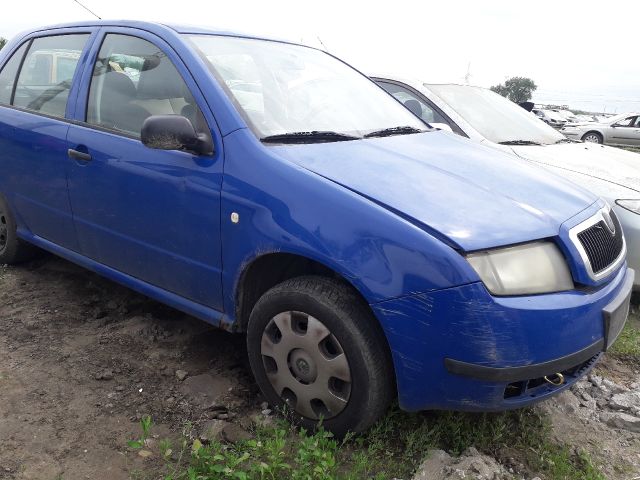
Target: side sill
pixel 197 310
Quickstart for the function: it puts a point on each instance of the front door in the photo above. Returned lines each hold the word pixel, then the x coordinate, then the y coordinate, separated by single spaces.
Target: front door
pixel 624 132
pixel 152 214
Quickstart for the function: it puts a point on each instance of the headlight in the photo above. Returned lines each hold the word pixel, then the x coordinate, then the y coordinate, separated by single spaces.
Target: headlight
pixel 631 205
pixel 531 268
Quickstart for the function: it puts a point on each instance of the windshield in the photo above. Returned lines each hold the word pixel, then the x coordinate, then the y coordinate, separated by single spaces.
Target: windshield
pixel 494 117
pixel 282 89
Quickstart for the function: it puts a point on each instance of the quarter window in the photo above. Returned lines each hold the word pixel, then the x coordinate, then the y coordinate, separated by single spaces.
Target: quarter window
pixel 47 72
pixel 133 80
pixel 8 75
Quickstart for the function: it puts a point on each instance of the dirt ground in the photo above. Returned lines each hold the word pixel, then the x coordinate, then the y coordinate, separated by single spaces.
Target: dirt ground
pixel 83 359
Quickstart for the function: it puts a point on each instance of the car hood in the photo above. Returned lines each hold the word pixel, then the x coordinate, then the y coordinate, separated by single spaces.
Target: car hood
pixel 474 196
pixel 613 171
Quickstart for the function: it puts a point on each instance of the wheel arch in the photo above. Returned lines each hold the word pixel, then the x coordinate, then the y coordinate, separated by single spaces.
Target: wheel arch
pixel 597 132
pixel 268 269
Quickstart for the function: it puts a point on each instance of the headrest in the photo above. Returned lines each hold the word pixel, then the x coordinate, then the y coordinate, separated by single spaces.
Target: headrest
pixel 120 84
pixel 414 106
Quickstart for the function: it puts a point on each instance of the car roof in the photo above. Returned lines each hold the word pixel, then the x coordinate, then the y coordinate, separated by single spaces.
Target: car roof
pixel 158 28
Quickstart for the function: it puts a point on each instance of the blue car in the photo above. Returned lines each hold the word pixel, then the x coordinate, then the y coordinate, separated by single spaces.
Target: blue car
pixel 269 188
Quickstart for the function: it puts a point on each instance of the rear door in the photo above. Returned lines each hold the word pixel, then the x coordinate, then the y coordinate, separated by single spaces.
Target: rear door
pixel 152 214
pixel 35 86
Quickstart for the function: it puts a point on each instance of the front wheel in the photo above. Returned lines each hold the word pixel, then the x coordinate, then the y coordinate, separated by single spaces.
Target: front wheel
pixel 316 349
pixel 592 137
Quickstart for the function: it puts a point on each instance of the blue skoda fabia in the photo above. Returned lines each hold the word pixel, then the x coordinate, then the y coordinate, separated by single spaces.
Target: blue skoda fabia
pixel 269 188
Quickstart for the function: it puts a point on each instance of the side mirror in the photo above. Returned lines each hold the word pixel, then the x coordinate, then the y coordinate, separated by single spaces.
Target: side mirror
pixel 174 132
pixel 442 126
pixel 615 125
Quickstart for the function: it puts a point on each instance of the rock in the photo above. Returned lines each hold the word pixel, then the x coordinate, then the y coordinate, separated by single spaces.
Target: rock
pixel 623 421
pixel 233 433
pixel 181 374
pixel 595 380
pixel 614 387
pixel 439 465
pixel 104 375
pixel 144 453
pixel 266 412
pixel 625 401
pixel 212 430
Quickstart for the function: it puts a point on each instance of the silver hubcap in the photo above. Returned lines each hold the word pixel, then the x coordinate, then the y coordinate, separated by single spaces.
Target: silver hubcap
pixel 306 365
pixel 592 139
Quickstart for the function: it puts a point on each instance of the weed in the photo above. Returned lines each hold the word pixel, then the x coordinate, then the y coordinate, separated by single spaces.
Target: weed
pixel 392 448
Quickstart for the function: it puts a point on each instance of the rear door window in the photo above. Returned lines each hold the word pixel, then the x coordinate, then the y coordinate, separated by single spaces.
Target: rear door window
pixel 8 75
pixel 47 73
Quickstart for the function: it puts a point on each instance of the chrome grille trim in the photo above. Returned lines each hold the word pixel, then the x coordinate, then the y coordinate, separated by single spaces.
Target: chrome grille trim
pixel 574 233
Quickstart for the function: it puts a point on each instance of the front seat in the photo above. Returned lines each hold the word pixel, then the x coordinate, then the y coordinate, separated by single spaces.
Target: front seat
pixel 117 108
pixel 414 106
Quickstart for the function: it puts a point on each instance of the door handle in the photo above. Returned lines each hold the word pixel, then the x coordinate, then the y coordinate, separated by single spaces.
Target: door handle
pixel 76 155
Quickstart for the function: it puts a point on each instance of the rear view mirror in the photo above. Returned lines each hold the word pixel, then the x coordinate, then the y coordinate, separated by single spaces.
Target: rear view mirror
pixel 442 126
pixel 174 132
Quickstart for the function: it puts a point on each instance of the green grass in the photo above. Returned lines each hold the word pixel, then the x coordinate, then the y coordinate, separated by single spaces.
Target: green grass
pixel 393 448
pixel 627 346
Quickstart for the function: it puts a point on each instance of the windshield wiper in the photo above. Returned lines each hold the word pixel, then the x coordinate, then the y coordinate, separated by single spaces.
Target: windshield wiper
pixel 519 142
pixel 387 132
pixel 565 140
pixel 314 136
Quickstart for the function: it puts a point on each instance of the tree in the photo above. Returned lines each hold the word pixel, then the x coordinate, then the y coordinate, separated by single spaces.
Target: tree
pixel 3 42
pixel 516 89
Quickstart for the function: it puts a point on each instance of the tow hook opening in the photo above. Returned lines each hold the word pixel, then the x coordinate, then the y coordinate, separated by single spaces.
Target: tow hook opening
pixel 556 379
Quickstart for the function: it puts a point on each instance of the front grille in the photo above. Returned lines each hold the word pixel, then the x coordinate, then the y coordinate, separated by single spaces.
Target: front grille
pixel 601 246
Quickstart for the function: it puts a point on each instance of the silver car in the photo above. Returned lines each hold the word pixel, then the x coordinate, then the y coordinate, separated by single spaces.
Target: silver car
pixel 490 119
pixel 619 130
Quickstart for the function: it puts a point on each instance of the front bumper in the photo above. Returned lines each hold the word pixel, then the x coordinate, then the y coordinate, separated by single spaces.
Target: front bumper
pixel 462 349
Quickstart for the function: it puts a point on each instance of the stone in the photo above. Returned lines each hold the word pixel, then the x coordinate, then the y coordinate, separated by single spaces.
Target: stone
pixel 625 401
pixel 439 465
pixel 181 374
pixel 622 421
pixel 144 453
pixel 212 430
pixel 614 387
pixel 233 433
pixel 104 375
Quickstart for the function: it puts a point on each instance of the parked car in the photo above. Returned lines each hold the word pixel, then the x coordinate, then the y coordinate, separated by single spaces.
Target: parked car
pixel 550 117
pixel 271 189
pixel 619 130
pixel 490 119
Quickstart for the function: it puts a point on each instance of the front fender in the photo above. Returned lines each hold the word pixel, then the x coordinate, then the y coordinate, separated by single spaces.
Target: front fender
pixel 281 207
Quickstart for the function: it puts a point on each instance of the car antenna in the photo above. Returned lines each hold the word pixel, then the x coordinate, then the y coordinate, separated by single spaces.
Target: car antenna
pixel 322 43
pixel 88 10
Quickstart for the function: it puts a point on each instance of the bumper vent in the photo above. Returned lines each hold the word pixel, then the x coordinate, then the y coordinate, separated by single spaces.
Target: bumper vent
pixel 603 242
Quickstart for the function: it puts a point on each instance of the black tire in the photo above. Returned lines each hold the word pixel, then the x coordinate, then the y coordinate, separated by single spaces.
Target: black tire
pixel 12 249
pixel 593 137
pixel 359 335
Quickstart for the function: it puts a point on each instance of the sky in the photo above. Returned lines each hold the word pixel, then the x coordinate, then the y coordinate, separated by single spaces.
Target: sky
pixel 577 52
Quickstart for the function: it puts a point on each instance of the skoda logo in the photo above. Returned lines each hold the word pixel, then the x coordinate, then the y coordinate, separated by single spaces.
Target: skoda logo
pixel 609 221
